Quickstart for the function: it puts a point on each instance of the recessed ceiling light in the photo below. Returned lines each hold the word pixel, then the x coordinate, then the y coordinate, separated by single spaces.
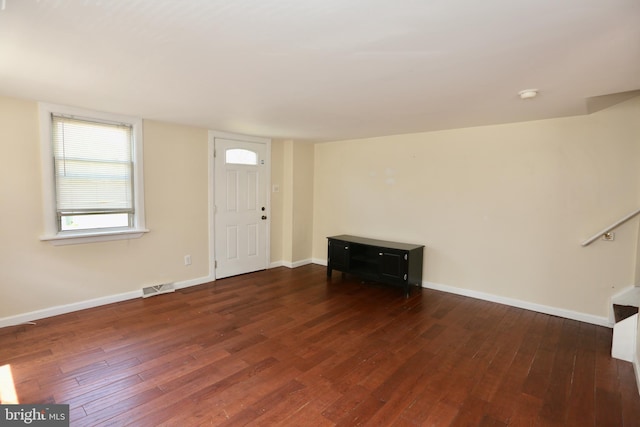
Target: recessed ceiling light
pixel 528 93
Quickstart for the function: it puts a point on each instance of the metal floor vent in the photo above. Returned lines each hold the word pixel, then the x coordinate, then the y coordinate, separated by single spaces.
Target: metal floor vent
pixel 150 291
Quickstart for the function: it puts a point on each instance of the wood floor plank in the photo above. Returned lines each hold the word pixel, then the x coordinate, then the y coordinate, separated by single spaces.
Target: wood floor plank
pixel 98 398
pixel 257 391
pixel 291 347
pixel 539 376
pixel 608 407
pixel 556 399
pixel 283 409
pixel 362 413
pixel 414 401
pixel 265 403
pixel 581 405
pixel 441 414
pixel 106 414
pixel 347 402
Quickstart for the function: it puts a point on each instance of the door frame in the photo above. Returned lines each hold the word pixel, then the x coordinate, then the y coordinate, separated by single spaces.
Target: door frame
pixel 211 176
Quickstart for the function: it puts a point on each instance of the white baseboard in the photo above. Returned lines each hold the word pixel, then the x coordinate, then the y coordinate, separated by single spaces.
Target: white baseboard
pixel 290 264
pixel 301 263
pixel 194 282
pixel 76 306
pixel 68 308
pixel 555 311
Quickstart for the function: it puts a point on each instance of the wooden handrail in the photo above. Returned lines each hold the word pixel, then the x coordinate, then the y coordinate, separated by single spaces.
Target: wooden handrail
pixel 611 227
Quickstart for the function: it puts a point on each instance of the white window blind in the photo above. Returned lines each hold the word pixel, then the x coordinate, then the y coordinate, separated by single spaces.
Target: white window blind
pixel 93 166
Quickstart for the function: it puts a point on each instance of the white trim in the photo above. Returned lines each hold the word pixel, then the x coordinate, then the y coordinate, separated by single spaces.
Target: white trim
pixel 555 311
pixel 623 345
pixel 67 308
pixel 212 135
pixel 194 282
pixel 75 238
pixel 636 369
pixel 51 233
pixel 290 264
pixel 82 305
pixel 626 296
pixel 211 204
pixel 300 263
pixel 238 137
pixel 296 264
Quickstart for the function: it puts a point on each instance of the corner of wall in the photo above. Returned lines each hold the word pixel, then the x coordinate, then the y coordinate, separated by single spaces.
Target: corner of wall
pixel 636 369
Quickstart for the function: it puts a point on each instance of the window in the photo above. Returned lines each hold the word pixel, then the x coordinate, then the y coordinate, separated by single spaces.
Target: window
pixel 92 172
pixel 239 156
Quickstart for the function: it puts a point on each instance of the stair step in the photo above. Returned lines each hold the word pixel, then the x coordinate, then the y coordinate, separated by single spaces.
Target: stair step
pixel 622 312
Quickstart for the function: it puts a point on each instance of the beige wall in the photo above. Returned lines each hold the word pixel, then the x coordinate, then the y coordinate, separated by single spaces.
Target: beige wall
pixel 35 275
pixel 277 208
pixel 302 186
pixel 287 202
pixel 501 209
pixel 293 172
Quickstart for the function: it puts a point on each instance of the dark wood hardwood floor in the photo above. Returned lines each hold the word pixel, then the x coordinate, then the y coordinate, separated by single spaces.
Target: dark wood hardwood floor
pixel 291 347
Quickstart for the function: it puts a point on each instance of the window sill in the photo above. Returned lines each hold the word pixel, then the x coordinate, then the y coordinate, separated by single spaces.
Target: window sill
pixel 92 237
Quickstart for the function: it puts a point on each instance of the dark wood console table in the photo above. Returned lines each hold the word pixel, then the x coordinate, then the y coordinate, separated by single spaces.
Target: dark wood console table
pixel 395 263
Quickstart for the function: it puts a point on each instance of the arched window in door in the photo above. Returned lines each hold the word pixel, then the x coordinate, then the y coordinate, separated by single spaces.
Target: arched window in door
pixel 240 156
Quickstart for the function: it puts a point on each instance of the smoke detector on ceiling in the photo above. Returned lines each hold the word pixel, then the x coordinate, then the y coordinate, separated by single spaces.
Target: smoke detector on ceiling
pixel 528 93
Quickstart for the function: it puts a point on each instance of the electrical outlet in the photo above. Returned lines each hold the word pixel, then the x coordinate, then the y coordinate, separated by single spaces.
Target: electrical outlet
pixel 187 260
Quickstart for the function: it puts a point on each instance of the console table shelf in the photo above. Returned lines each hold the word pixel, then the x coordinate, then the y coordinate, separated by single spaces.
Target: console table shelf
pixel 395 263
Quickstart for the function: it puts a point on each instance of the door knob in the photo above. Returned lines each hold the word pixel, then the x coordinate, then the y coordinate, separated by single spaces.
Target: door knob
pixel 264 217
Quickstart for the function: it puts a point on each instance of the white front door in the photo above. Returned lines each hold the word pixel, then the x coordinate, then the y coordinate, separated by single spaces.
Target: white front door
pixel 241 211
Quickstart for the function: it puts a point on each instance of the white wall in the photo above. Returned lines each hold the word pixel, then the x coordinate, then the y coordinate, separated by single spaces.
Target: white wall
pixel 501 209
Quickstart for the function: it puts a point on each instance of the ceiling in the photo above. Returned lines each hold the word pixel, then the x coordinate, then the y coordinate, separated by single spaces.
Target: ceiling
pixel 321 70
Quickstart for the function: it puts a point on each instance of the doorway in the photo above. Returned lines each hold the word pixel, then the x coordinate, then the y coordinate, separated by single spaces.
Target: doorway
pixel 241 210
